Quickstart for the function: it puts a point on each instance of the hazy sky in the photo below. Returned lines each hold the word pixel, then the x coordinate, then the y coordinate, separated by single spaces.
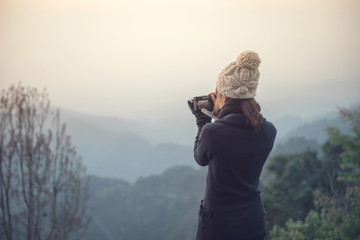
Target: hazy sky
pixel 145 58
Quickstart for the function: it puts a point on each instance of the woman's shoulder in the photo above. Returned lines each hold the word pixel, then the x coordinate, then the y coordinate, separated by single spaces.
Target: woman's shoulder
pixel 269 124
pixel 269 127
pixel 212 127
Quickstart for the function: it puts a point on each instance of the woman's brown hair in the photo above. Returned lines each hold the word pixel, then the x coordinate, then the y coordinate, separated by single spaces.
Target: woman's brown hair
pixel 249 107
pixel 251 110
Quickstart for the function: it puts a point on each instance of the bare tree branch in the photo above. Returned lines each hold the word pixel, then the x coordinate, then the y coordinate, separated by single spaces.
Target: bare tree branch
pixel 43 184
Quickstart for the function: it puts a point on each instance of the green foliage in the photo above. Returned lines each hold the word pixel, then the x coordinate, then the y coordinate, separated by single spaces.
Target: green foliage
pixel 350 144
pixel 336 212
pixel 332 219
pixel 289 193
pixel 157 207
pixel 331 170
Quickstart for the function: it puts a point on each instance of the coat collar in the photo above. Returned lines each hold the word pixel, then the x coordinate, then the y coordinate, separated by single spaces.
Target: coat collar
pixel 232 106
pixel 237 119
pixel 233 114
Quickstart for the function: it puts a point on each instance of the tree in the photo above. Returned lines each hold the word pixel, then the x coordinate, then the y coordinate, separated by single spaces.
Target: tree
pixel 337 208
pixel 156 207
pixel 288 192
pixel 43 184
pixel 351 145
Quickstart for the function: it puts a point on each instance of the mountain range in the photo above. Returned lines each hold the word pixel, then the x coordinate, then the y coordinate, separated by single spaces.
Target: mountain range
pixel 130 149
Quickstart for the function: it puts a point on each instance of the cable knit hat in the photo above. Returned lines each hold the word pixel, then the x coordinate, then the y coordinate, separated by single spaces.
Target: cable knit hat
pixel 240 79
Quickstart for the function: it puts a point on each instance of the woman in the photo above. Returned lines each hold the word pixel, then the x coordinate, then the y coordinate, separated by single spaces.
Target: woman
pixel 235 147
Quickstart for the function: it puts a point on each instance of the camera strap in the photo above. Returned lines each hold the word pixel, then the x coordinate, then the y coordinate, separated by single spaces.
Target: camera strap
pixel 209 114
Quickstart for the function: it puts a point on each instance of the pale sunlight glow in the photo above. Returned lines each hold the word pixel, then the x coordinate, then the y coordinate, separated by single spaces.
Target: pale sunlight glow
pixel 136 58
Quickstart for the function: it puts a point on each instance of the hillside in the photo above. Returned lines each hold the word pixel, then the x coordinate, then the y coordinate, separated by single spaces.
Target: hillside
pixel 180 131
pixel 316 130
pixel 157 207
pixel 124 155
pixel 120 148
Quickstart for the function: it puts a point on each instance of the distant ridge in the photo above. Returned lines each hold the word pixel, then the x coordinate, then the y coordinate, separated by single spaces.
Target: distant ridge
pixel 123 154
pixel 127 149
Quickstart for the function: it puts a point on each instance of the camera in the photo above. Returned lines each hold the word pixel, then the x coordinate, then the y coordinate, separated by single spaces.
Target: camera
pixel 202 102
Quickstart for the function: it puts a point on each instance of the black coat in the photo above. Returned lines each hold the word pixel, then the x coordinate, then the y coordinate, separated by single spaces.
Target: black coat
pixel 235 153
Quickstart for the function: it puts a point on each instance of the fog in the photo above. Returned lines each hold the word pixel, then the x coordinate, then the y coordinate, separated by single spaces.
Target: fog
pixel 143 59
pixel 122 71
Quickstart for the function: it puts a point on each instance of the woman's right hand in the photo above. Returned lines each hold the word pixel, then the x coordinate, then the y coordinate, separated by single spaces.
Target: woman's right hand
pixel 213 97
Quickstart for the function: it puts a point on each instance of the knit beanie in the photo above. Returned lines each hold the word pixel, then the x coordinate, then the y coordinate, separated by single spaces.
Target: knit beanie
pixel 240 79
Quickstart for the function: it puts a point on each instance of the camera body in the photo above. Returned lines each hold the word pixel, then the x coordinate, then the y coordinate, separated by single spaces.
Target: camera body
pixel 200 102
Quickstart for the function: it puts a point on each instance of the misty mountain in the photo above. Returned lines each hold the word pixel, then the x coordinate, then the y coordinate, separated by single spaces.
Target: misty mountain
pixel 316 130
pixel 296 145
pixel 129 149
pixel 286 124
pixel 164 206
pixel 124 155
pixel 181 131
